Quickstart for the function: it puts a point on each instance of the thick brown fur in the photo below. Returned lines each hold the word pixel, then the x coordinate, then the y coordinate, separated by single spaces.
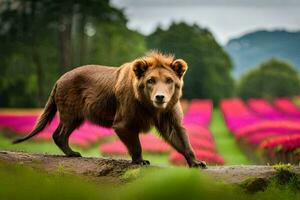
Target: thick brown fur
pixel 130 99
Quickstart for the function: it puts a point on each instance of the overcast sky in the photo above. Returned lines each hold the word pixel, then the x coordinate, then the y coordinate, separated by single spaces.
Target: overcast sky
pixel 225 18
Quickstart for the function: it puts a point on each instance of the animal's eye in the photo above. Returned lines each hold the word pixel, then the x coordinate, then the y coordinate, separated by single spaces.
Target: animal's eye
pixel 169 80
pixel 151 81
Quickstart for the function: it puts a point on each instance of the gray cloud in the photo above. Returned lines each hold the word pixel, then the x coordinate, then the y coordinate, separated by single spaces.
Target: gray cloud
pixel 225 18
pixel 144 3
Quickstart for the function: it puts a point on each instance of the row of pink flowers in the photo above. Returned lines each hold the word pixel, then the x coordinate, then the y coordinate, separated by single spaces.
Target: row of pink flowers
pixel 258 137
pixel 198 131
pixel 199 112
pixel 84 136
pixel 264 109
pixel 243 121
pixel 287 106
pixel 150 143
pixel 286 143
pixel 196 121
pixel 237 114
pixel 18 123
pixel 282 126
pixel 264 124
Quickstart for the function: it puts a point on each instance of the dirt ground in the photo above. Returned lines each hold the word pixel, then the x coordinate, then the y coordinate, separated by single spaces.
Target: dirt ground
pixel 101 169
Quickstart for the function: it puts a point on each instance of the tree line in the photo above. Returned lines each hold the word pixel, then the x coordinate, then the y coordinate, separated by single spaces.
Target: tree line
pixel 40 40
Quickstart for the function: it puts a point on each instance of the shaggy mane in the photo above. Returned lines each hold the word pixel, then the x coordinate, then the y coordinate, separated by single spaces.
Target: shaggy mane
pixel 155 57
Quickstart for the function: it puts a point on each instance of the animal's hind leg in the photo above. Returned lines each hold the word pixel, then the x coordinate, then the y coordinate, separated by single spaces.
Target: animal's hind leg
pixel 61 138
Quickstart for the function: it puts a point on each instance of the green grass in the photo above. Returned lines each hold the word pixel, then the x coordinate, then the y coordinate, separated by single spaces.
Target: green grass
pixel 29 146
pixel 225 141
pixel 19 182
pixel 296 101
pixel 51 148
pixel 42 147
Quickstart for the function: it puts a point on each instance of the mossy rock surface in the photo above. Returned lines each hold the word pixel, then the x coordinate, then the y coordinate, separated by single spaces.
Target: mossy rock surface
pixel 253 177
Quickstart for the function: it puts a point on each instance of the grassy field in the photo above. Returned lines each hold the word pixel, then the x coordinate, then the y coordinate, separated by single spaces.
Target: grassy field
pixel 224 140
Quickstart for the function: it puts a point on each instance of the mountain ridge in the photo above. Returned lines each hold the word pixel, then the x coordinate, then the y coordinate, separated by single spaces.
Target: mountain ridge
pixel 250 49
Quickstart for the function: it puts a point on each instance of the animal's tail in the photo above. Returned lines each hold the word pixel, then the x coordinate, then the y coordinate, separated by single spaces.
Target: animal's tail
pixel 47 116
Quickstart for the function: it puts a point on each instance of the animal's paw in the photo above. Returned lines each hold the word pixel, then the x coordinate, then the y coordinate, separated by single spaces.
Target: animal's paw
pixel 74 154
pixel 199 164
pixel 141 162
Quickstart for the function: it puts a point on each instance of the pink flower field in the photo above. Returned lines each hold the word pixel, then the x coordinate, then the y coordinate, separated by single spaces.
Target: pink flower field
pixel 196 121
pixel 85 136
pixel 265 126
pixel 258 125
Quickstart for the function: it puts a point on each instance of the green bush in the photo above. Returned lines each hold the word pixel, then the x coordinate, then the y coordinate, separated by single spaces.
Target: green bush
pixel 209 70
pixel 273 78
pixel 40 40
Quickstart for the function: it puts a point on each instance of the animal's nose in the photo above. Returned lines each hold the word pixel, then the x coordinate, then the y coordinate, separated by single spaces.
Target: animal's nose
pixel 160 98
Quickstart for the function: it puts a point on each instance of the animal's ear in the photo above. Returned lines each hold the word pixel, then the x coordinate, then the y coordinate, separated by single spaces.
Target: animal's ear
pixel 140 66
pixel 179 66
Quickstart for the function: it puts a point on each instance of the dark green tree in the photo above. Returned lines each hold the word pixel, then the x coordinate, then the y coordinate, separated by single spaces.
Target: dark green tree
pixel 42 39
pixel 209 70
pixel 273 78
pixel 121 44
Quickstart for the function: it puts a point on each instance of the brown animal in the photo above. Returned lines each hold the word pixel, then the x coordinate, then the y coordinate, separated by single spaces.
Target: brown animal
pixel 130 99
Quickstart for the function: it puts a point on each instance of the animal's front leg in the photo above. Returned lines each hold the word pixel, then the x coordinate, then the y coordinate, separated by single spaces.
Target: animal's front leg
pixel 178 139
pixel 132 142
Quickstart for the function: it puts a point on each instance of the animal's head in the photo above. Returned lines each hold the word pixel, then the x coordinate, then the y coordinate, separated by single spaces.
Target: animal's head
pixel 159 79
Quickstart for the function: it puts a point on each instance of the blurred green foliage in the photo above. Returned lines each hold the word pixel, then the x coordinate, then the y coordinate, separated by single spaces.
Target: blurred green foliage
pixel 19 182
pixel 273 78
pixel 209 70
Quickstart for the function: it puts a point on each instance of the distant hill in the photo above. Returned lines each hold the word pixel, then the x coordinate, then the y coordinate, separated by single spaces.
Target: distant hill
pixel 251 49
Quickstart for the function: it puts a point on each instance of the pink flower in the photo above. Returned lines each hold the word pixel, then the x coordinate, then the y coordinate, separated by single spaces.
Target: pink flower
pixel 288 143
